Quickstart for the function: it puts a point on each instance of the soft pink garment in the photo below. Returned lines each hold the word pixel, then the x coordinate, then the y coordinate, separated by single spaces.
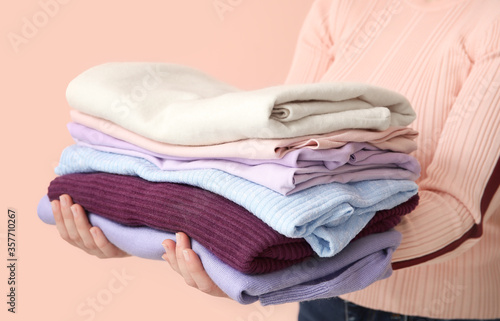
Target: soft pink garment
pixel 444 56
pixel 398 139
pixel 295 171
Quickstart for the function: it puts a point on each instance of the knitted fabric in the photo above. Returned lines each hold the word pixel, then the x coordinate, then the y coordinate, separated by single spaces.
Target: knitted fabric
pixel 357 266
pixel 327 216
pixel 386 219
pixel 444 56
pixel 229 231
pixel 234 235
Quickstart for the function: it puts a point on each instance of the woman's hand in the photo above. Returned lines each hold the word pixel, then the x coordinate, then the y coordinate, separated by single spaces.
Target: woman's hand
pixel 74 227
pixel 187 263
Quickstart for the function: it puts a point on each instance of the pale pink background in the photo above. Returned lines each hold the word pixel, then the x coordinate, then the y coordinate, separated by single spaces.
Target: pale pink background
pixel 251 47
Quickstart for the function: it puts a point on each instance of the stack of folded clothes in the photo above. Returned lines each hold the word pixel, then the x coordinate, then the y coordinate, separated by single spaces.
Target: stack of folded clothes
pixel 289 193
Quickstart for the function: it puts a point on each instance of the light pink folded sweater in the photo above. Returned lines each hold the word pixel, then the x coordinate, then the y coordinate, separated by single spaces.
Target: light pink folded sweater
pixel 395 138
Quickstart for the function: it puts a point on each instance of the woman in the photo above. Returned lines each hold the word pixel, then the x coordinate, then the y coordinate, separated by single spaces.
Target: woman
pixel 444 56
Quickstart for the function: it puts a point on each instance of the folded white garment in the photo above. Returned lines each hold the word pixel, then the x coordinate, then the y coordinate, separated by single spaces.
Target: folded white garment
pixel 180 105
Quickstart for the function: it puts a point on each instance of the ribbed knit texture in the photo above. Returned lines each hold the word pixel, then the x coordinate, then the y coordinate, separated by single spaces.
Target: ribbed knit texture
pixel 229 231
pixel 360 264
pixel 327 216
pixel 381 222
pixel 444 56
pixel 386 219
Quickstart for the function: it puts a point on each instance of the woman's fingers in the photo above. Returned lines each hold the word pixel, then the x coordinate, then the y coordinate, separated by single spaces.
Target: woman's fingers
pixel 69 220
pixel 203 281
pixel 74 227
pixel 170 255
pixel 186 262
pixel 105 247
pixel 182 244
pixel 61 228
pixel 83 227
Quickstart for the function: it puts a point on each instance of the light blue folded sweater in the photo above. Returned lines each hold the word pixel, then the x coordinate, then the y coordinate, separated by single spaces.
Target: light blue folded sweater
pixel 327 216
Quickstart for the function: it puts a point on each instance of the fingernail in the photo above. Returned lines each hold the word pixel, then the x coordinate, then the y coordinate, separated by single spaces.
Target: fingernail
pixel 93 232
pixel 186 255
pixel 164 257
pixel 73 210
pixel 177 236
pixel 62 199
pixel 165 247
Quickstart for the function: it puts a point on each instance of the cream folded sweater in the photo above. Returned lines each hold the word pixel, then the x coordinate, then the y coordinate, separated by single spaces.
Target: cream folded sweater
pixel 180 105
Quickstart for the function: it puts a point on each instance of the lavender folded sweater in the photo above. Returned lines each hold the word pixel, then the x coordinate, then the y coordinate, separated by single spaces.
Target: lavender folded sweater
pixel 232 233
pixel 357 266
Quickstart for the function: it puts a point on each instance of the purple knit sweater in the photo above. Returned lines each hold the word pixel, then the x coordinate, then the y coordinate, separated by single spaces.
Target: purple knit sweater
pixel 229 231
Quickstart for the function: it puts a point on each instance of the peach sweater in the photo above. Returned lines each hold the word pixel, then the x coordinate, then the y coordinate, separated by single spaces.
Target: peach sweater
pixel 444 56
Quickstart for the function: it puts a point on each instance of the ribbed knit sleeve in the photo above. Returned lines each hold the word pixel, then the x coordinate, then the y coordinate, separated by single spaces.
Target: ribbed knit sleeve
pixel 460 145
pixel 444 56
pixel 464 161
